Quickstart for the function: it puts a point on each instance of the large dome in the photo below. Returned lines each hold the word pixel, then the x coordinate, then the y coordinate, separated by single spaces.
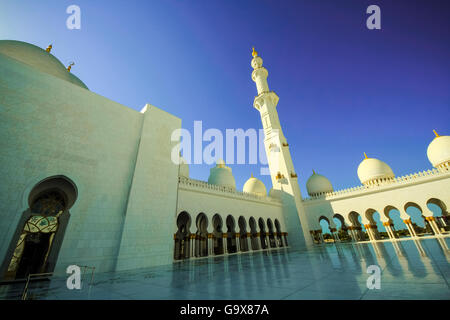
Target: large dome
pixel 255 186
pixel 318 184
pixel 372 171
pixel 39 59
pixel 438 152
pixel 221 175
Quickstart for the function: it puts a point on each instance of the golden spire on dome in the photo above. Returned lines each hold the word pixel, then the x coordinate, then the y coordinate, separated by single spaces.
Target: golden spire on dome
pixel 251 175
pixel 365 156
pixel 254 53
pixel 70 66
pixel 314 171
pixel 49 48
pixel 437 135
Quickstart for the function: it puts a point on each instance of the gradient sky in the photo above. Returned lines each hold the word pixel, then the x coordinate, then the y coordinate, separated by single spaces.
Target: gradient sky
pixel 343 89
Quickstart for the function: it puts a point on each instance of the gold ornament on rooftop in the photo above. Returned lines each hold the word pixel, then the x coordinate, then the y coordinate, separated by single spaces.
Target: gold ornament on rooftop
pixel 254 53
pixel 49 48
pixel 436 134
pixel 70 66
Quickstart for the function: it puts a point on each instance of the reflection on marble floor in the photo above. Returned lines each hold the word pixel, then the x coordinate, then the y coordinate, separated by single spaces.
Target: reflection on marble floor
pixel 411 269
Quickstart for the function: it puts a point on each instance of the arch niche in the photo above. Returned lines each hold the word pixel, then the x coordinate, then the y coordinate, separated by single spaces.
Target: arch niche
pixel 37 241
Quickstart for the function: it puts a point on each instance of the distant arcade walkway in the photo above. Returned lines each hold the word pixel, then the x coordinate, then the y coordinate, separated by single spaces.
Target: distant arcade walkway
pixel 262 235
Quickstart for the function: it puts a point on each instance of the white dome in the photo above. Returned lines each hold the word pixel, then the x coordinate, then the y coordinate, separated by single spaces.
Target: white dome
pixel 438 151
pixel 318 184
pixel 184 168
pixel 221 175
pixel 373 171
pixel 255 186
pixel 39 59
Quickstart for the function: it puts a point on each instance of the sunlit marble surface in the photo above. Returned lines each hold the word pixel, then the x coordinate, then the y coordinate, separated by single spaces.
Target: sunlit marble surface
pixel 417 269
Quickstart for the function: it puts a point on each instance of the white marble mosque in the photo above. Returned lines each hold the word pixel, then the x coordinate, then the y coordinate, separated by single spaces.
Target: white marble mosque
pixel 88 181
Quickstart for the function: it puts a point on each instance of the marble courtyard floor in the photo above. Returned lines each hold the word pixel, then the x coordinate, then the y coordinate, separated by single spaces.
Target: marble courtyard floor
pixel 411 269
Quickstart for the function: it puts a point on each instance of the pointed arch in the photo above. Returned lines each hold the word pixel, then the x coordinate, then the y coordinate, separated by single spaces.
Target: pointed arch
pixel 37 241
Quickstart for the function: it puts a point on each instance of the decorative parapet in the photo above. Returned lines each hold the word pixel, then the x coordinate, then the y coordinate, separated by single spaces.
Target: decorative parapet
pixel 203 186
pixel 395 182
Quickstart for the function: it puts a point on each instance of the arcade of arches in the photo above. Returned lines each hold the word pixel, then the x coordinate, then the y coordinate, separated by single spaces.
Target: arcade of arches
pixel 414 222
pixel 227 236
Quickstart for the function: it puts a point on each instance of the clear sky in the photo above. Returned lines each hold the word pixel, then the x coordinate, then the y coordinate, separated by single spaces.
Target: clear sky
pixel 343 89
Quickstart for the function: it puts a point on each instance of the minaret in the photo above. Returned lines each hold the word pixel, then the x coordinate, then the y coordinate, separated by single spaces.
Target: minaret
pixel 279 158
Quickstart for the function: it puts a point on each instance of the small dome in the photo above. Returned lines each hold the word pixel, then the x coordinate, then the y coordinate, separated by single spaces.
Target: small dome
pixel 438 152
pixel 255 186
pixel 318 184
pixel 39 59
pixel 373 171
pixel 184 168
pixel 221 175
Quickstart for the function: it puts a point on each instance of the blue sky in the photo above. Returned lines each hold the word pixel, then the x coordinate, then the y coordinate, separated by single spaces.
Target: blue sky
pixel 343 89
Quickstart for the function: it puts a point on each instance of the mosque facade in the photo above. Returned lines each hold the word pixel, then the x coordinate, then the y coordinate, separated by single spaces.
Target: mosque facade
pixel 87 181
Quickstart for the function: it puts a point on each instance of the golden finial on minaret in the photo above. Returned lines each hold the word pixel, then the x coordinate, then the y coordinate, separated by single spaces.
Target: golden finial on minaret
pixel 437 135
pixel 254 53
pixel 49 48
pixel 70 66
pixel 365 156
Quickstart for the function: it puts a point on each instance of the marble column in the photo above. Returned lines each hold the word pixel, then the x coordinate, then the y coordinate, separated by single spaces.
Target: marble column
pixel 410 227
pixel 249 243
pixel 238 242
pixel 225 243
pixel 387 226
pixel 210 244
pixel 432 222
pixel 192 245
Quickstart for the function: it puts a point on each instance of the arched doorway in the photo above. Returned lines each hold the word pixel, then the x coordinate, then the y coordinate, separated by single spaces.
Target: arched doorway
pixel 262 233
pixel 440 214
pixel 356 228
pixel 326 229
pixel 418 223
pixel 182 247
pixel 231 235
pixel 272 242
pixel 375 226
pixel 342 227
pixel 201 241
pixel 243 243
pixel 254 234
pixel 217 234
pixel 395 226
pixel 278 229
pixel 35 245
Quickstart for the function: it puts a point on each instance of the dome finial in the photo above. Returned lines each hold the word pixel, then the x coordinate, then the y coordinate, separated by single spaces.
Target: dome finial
pixel 437 135
pixel 220 163
pixel 251 175
pixel 313 171
pixel 70 66
pixel 365 156
pixel 49 48
pixel 254 53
